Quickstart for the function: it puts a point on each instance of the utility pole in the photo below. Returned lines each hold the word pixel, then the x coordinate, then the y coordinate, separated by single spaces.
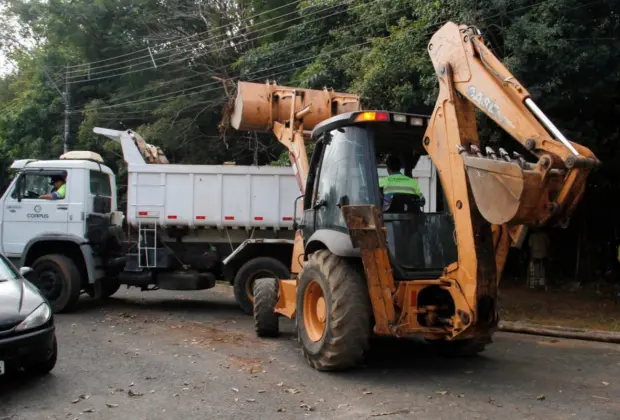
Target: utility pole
pixel 67 110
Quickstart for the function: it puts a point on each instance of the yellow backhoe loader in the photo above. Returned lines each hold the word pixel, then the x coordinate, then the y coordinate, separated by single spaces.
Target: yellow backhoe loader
pixel 400 272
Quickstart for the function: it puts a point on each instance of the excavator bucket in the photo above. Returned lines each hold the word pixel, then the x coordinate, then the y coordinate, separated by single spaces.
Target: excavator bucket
pixel 504 192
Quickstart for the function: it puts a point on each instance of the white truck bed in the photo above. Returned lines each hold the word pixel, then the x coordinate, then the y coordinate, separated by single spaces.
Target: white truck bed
pixel 212 196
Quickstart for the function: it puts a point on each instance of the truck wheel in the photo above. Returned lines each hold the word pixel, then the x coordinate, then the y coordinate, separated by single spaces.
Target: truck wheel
pixel 266 321
pixel 59 280
pixel 333 312
pixel 458 348
pixel 256 268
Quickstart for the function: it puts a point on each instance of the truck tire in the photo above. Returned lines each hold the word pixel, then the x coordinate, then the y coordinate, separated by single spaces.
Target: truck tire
pixel 333 312
pixel 266 321
pixel 256 268
pixel 58 278
pixel 458 348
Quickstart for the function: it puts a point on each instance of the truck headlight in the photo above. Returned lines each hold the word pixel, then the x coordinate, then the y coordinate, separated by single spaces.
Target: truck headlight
pixel 37 318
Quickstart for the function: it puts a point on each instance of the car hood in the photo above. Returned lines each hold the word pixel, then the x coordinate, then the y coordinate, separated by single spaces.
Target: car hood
pixel 18 298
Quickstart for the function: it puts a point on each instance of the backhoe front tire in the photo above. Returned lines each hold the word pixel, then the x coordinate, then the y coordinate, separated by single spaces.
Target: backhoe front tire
pixel 256 268
pixel 266 322
pixel 333 312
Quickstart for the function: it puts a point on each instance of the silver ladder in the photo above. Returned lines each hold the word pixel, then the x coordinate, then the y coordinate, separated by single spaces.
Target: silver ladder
pixel 144 248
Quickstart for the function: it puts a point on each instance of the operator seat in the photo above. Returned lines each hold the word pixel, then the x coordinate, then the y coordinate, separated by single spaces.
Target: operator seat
pixel 420 244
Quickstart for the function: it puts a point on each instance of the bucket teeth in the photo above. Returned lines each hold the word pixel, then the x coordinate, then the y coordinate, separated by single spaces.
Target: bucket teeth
pixel 476 150
pixel 522 163
pixel 504 154
pixel 461 150
pixel 491 153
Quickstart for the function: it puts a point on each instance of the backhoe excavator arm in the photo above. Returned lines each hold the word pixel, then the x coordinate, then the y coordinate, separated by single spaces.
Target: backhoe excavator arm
pixel 508 190
pixel 494 197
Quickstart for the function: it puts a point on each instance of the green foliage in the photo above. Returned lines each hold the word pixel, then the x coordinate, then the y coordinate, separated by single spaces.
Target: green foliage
pixel 566 52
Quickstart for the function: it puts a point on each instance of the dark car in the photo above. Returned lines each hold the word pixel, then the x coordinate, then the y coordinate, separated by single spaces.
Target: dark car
pixel 27 332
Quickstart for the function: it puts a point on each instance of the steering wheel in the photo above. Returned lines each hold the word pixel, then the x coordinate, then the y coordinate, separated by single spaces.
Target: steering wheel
pixel 31 194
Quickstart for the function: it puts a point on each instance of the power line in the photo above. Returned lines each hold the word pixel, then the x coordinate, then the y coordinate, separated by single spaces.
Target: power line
pixel 198 34
pixel 150 67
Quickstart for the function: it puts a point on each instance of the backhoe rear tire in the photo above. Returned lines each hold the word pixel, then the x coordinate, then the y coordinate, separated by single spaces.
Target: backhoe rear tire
pixel 333 312
pixel 266 322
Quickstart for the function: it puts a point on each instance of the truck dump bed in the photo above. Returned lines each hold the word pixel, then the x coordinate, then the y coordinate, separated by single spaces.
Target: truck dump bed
pixel 216 196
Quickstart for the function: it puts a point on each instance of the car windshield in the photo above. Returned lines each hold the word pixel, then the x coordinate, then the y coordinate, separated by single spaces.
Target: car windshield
pixel 6 272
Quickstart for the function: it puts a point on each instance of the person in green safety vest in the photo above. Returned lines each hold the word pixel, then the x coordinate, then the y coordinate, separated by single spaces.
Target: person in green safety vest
pixel 59 190
pixel 397 183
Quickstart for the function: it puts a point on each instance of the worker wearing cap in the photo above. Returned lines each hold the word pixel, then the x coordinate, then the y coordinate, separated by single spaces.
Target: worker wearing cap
pixel 59 190
pixel 397 183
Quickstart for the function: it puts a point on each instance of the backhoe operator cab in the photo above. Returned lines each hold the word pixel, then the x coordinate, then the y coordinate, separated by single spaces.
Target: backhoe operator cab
pixel 343 171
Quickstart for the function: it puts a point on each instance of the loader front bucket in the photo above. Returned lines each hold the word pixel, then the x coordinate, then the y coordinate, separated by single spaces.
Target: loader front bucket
pixel 504 192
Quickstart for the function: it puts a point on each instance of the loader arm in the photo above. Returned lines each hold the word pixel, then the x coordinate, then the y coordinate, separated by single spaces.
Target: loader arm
pixel 288 113
pixel 493 195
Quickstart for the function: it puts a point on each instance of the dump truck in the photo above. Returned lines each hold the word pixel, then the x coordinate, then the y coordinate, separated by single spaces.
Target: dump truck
pixel 181 223
pixel 358 269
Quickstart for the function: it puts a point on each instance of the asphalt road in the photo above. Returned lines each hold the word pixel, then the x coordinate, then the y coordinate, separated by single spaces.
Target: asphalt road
pixel 167 355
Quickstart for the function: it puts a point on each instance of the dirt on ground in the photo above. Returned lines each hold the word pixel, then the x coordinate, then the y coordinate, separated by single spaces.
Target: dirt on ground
pixel 587 307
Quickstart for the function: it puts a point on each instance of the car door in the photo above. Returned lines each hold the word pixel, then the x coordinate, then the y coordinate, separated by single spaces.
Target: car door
pixel 27 216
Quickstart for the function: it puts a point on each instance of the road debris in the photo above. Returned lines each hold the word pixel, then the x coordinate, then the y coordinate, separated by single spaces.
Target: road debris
pixel 89 410
pixel 307 407
pixel 234 389
pixel 541 397
pixel 292 391
pixel 367 392
pixel 250 399
pixel 391 413
pixel 605 383
pixel 441 392
pixel 81 397
pixel 131 393
pixel 111 405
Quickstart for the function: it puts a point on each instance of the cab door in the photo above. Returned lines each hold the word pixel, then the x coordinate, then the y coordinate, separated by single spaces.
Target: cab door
pixel 26 216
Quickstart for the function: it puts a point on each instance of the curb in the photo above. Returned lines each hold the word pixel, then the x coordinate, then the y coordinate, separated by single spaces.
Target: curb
pixel 561 332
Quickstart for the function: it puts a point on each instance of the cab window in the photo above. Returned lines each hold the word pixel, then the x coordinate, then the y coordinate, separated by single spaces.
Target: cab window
pixel 100 184
pixel 31 186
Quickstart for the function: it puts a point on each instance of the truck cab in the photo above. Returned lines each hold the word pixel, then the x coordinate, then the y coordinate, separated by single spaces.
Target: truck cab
pixel 51 235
